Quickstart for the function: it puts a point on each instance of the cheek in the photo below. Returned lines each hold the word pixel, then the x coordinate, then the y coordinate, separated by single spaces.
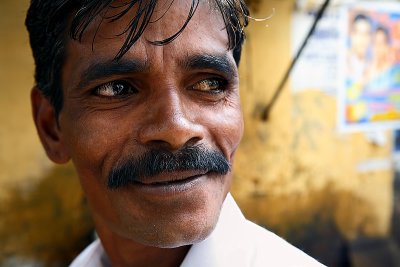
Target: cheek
pixel 93 141
pixel 226 126
pixel 233 130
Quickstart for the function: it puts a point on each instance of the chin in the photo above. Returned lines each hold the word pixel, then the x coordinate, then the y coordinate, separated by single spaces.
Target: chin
pixel 195 236
pixel 167 221
pixel 172 235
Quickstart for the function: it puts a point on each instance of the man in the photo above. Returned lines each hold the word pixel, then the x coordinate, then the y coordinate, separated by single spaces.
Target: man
pixel 360 42
pixel 143 97
pixel 381 73
pixel 357 63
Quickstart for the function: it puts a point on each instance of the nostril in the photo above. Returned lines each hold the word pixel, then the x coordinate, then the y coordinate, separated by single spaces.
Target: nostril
pixel 193 141
pixel 172 137
pixel 161 144
pixel 171 129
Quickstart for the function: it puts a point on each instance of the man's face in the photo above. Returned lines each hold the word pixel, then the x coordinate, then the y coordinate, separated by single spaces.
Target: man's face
pixel 361 37
pixel 170 97
pixel 381 45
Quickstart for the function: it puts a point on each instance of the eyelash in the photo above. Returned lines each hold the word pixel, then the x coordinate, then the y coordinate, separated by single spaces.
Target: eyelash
pixel 209 85
pixel 218 83
pixel 127 89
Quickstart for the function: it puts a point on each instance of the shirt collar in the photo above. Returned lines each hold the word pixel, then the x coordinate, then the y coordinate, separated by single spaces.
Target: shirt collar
pixel 218 248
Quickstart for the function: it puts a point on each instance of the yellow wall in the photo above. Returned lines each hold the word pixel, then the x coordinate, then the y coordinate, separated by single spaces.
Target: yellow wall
pixel 42 212
pixel 289 170
pixel 296 165
pixel 20 154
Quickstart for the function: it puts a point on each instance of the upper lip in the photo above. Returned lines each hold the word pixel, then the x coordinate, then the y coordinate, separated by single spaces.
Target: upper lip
pixel 170 177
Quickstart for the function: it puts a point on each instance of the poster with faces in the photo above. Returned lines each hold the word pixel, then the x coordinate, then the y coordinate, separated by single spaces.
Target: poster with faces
pixel 369 89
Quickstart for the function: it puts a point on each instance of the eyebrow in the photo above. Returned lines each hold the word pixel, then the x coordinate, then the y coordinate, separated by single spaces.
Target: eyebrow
pixel 220 63
pixel 104 69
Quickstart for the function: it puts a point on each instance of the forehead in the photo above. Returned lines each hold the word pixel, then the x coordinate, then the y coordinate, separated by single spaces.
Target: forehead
pixel 195 21
pixel 362 24
pixel 205 33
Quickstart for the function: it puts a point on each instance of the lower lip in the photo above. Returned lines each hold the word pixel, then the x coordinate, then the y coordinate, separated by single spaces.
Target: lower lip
pixel 171 188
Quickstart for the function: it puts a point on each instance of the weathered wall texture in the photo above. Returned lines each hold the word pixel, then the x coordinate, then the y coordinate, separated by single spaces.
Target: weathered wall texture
pixel 294 173
pixel 296 168
pixel 20 153
pixel 43 217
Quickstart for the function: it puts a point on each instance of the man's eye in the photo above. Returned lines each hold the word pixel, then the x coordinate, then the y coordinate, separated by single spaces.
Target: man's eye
pixel 114 89
pixel 210 85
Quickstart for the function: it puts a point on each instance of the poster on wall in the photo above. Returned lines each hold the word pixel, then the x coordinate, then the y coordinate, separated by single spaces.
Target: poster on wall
pixel 369 90
pixel 320 56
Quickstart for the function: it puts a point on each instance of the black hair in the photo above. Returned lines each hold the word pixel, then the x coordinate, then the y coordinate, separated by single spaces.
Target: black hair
pixel 362 17
pixel 51 23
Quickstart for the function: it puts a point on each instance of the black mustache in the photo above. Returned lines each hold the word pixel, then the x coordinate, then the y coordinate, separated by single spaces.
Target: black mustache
pixel 157 161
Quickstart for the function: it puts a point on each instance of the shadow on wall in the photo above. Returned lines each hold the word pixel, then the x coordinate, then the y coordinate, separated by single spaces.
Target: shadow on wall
pixel 46 224
pixel 395 229
pixel 328 224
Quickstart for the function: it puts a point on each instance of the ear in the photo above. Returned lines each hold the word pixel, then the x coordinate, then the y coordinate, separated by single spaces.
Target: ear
pixel 48 128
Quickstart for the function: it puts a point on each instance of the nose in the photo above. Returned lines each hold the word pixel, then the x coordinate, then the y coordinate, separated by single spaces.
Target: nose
pixel 168 123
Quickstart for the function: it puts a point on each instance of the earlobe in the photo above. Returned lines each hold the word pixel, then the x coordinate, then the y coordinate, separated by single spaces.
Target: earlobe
pixel 48 130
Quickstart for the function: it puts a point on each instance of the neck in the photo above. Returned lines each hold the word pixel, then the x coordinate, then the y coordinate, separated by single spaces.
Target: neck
pixel 123 252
